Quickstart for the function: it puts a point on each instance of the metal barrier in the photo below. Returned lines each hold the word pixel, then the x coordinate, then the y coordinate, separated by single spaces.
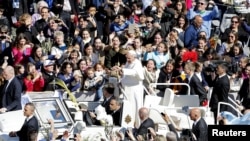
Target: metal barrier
pixel 228 104
pixel 172 84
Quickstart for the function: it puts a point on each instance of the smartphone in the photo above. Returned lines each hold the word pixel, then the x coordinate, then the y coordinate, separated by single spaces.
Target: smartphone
pixel 162 114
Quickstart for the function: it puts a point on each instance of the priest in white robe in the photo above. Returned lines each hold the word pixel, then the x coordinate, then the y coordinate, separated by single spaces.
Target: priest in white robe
pixel 131 81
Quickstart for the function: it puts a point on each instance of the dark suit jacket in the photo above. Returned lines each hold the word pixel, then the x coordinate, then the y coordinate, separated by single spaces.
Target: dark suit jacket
pixel 105 104
pixel 11 97
pixel 200 130
pixel 117 116
pixel 220 93
pixel 143 129
pixel 27 128
pixel 197 88
pixel 244 93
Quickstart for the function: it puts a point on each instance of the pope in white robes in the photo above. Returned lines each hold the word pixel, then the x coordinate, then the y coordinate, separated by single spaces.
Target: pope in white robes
pixel 132 84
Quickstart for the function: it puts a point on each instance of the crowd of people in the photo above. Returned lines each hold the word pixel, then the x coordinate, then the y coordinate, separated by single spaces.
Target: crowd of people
pixel 86 42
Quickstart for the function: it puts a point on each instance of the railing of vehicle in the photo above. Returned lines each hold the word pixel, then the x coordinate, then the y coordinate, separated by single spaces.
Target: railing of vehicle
pixel 171 84
pixel 228 104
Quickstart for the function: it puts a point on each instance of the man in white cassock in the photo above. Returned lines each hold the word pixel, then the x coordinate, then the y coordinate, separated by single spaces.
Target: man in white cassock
pixel 131 81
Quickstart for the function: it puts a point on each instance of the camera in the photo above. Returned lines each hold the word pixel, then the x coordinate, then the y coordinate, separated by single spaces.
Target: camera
pixel 149 135
pixel 57 21
pixel 210 68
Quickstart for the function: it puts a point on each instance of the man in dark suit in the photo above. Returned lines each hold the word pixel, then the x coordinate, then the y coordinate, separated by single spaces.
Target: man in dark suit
pixel 199 126
pixel 146 122
pixel 220 92
pixel 30 125
pixel 10 98
pixel 108 94
pixel 115 107
pixel 194 82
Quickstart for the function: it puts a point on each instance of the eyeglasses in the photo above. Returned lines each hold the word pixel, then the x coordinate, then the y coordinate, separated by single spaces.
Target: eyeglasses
pixel 230 36
pixel 201 3
pixel 149 21
pixel 234 21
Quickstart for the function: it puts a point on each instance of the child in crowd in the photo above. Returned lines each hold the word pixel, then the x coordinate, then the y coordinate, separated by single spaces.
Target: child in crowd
pixel 76 84
pixel 99 70
pixel 94 83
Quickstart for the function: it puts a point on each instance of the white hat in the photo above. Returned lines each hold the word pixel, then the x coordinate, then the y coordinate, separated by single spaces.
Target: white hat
pixel 48 63
pixel 100 112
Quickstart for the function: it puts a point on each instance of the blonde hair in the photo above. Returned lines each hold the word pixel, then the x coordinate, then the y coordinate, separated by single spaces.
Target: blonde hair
pixel 24 17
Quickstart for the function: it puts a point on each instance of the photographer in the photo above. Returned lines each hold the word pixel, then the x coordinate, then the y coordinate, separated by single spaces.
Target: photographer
pixel 55 24
pixel 5 43
pixel 88 21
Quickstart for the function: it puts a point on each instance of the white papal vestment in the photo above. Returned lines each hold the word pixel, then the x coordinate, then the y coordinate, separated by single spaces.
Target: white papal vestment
pixel 133 87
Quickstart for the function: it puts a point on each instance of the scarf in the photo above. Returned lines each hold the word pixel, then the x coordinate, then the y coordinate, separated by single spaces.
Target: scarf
pixel 149 77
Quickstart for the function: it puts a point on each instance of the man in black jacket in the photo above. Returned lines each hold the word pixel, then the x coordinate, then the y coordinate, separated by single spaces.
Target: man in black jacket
pixel 220 92
pixel 10 96
pixel 115 106
pixel 195 83
pixel 199 127
pixel 30 125
pixel 146 122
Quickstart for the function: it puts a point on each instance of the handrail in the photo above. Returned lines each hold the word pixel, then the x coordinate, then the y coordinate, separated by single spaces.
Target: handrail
pixel 146 90
pixel 228 104
pixel 172 84
pixel 234 103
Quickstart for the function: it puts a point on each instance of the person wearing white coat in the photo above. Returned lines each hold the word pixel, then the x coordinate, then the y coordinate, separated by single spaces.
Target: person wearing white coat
pixel 131 81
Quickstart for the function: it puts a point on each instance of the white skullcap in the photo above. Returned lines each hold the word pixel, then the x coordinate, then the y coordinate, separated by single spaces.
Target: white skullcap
pixel 132 52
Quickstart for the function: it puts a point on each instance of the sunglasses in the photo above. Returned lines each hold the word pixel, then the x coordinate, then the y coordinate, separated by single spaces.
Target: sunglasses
pixel 201 3
pixel 3 32
pixel 149 21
